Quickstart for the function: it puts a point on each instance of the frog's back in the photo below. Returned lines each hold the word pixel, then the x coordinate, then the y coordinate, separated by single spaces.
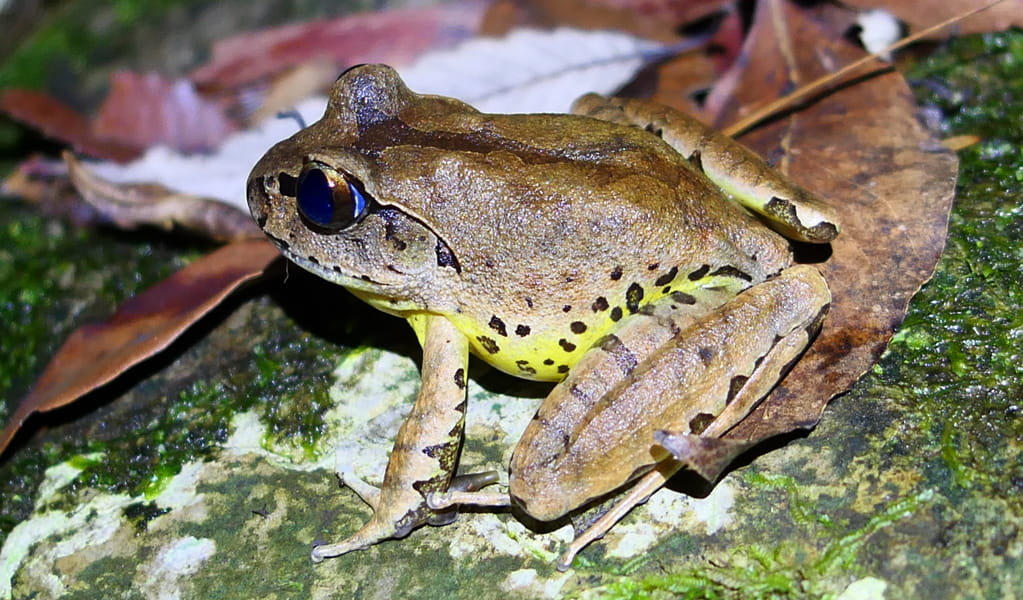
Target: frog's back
pixel 559 239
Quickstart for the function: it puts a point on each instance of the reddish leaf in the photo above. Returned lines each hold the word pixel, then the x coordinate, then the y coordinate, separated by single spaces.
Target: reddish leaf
pixel 393 37
pixel 96 354
pixel 61 122
pixel 141 111
pixel 148 110
pixel 863 150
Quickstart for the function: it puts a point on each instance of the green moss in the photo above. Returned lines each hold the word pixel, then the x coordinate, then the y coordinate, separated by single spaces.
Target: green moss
pixel 54 278
pixel 957 358
pixel 786 570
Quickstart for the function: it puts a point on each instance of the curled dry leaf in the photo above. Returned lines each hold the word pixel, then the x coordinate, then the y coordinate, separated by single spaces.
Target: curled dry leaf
pixel 96 354
pixel 863 150
pixel 133 205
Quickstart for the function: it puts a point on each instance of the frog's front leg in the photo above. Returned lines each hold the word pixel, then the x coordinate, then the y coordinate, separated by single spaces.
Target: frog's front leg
pixel 426 449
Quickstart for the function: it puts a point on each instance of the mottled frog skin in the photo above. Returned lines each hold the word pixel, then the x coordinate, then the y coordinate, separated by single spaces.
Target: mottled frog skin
pixel 591 249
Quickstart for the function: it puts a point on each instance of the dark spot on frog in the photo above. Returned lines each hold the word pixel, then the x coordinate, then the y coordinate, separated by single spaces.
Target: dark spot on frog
pixel 365 278
pixel 312 259
pixel 616 313
pixel 633 296
pixel 523 366
pixel 580 394
pixel 785 210
pixel 445 258
pixel 261 221
pixel 736 385
pixel 666 290
pixel 600 304
pixel 699 423
pixel 566 308
pixel 654 129
pixel 562 368
pixel 622 355
pixel 488 262
pixel 616 273
pixel 683 298
pixel 548 361
pixel 488 344
pixel 337 269
pixel 460 378
pixel 667 277
pixel 653 267
pixel 460 407
pixel 498 325
pixel 730 271
pixel 705 354
pixel 522 330
pixel 389 217
pixel 577 327
pixel 696 159
pixel 815 325
pixel 529 302
pixel 566 345
pixel 699 273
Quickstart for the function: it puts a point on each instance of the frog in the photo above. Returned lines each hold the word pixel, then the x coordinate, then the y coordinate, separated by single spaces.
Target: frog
pixel 627 253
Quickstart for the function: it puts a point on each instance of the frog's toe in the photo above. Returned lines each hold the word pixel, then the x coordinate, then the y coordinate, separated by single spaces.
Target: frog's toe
pixel 370 494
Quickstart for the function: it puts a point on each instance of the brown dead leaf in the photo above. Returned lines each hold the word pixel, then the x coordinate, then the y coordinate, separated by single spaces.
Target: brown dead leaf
pixel 96 354
pixel 863 150
pixel 923 13
pixel 133 205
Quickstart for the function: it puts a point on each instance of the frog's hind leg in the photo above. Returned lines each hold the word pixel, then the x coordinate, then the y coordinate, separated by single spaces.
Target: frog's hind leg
pixel 425 451
pixel 785 314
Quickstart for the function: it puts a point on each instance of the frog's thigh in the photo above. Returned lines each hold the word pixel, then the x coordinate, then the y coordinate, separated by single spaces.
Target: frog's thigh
pixel 595 433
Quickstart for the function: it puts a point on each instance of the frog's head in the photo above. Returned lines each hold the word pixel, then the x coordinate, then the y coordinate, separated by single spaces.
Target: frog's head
pixel 322 197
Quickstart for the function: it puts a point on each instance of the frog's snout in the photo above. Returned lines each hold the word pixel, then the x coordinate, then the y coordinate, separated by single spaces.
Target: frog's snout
pixel 257 198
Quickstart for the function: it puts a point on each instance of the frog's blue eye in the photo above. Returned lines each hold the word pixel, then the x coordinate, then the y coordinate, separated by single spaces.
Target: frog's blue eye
pixel 328 199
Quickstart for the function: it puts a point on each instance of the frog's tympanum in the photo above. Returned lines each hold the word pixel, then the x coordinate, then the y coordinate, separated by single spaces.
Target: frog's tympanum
pixel 626 251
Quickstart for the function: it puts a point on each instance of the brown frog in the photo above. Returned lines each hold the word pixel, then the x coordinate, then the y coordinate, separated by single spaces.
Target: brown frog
pixel 614 251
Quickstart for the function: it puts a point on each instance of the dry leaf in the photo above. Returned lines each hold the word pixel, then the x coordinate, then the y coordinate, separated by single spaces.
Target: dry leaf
pixel 61 122
pixel 96 354
pixel 924 13
pixel 864 151
pixel 144 110
pixel 134 205
pixel 531 70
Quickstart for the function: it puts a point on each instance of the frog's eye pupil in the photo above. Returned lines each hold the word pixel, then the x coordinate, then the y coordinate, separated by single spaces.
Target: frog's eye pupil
pixel 328 200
